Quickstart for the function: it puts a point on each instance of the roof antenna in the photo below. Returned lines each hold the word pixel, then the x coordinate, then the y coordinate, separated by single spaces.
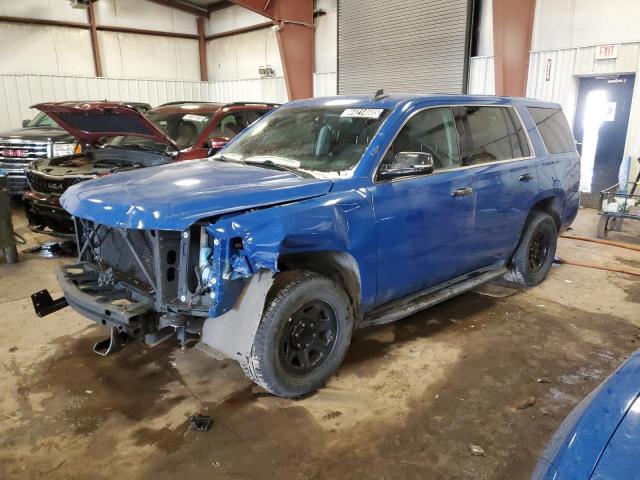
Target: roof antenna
pixel 379 95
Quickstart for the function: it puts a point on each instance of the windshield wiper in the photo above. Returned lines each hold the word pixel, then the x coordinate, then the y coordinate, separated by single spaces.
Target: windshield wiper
pixel 221 157
pixel 279 163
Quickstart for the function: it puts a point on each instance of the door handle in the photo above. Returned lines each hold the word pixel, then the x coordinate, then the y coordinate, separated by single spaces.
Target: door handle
pixel 525 178
pixel 462 192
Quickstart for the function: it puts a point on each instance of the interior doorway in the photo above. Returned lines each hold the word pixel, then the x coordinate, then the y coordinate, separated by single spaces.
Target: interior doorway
pixel 602 118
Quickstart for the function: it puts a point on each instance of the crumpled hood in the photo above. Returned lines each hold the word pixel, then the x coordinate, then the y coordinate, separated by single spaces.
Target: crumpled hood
pixel 172 197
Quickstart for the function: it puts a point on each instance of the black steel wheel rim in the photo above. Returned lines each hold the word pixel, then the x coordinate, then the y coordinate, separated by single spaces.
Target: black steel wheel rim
pixel 308 337
pixel 538 251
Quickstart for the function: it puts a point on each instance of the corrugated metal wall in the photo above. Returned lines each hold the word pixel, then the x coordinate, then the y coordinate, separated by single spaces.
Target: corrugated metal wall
pixel 401 45
pixel 19 92
pixel 325 84
pixel 561 86
pixel 482 80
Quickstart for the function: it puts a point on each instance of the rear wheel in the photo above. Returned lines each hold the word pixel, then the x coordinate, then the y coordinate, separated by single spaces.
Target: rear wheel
pixel 533 258
pixel 303 336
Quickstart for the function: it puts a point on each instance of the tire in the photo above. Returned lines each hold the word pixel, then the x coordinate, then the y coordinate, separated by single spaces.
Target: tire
pixel 532 260
pixel 301 307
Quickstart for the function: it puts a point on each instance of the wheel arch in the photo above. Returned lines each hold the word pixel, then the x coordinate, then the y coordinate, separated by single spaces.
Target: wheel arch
pixel 553 205
pixel 339 266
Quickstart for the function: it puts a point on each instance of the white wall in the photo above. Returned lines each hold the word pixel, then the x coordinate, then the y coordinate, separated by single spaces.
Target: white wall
pixel 126 55
pixel 326 37
pixel 38 50
pixel 143 14
pixel 67 51
pixel 563 24
pixel 239 57
pixel 485 38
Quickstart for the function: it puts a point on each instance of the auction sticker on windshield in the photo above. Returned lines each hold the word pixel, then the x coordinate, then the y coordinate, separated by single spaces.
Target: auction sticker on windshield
pixel 363 112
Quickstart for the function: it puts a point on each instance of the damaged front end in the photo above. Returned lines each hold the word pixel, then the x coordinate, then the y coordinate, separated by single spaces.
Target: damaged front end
pixel 150 284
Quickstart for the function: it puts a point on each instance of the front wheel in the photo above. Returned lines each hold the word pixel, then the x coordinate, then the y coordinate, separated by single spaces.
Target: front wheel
pixel 303 336
pixel 535 253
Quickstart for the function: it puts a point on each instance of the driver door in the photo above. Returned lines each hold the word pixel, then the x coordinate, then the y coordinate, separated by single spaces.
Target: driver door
pixel 424 221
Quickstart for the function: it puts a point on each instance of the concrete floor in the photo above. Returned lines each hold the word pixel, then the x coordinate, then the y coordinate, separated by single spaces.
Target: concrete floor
pixel 497 372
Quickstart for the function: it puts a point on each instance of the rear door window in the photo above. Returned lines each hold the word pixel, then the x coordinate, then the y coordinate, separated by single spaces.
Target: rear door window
pixel 489 134
pixel 554 129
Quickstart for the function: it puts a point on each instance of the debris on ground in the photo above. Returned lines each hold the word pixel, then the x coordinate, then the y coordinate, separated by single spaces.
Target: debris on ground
pixel 201 423
pixel 543 380
pixel 529 402
pixel 476 450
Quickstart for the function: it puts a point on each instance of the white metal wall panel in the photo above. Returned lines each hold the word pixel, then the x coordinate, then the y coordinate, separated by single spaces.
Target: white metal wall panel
pixel 401 45
pixel 43 9
pixel 39 50
pixel 143 56
pixel 482 80
pixel 19 92
pixel 562 86
pixel 142 14
pixel 261 90
pixel 325 84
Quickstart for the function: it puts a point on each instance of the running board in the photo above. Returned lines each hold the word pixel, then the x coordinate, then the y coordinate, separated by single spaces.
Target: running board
pixel 397 309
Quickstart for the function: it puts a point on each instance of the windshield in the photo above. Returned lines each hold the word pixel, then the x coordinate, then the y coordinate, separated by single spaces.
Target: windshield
pixel 135 143
pixel 182 127
pixel 323 141
pixel 43 120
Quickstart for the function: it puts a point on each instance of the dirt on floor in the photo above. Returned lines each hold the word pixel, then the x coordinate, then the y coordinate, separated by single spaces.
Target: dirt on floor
pixel 491 372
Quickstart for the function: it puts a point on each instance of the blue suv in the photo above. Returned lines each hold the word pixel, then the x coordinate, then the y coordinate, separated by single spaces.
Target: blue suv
pixel 324 216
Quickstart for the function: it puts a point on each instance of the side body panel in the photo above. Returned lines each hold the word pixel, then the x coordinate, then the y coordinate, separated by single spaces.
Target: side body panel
pixel 337 222
pixel 558 175
pixel 422 232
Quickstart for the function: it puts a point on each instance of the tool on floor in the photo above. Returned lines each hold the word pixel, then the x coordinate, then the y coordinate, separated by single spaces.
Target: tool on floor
pixel 201 423
pixel 7 236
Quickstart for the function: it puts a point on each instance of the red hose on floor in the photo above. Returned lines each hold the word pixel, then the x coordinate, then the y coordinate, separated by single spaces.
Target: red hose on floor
pixel 604 242
pixel 598 267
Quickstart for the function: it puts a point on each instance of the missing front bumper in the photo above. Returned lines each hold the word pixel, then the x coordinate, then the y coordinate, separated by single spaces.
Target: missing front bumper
pixel 116 306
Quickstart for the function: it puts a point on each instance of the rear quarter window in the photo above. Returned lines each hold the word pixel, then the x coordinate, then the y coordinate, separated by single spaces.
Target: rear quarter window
pixel 554 129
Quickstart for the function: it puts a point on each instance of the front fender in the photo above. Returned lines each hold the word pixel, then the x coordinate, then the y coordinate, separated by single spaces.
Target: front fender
pixel 339 222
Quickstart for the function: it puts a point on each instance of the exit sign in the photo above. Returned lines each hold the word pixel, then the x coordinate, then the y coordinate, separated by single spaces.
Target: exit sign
pixel 606 52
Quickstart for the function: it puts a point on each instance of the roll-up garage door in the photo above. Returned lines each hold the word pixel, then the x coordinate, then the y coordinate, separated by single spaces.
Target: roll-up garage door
pixel 402 45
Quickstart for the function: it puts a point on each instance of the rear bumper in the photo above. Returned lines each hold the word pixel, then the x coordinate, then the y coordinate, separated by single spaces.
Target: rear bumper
pixel 114 306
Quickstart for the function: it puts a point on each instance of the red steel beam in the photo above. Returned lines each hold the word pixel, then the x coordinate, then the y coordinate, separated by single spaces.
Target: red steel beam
pixel 237 31
pixel 295 35
pixel 512 30
pixel 95 47
pixel 43 22
pixel 202 49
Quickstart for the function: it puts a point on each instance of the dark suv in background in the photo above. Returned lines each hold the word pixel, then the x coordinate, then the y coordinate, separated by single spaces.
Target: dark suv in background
pixel 39 138
pixel 116 138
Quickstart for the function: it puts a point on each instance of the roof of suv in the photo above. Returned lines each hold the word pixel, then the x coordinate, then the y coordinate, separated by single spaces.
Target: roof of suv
pixel 394 100
pixel 208 107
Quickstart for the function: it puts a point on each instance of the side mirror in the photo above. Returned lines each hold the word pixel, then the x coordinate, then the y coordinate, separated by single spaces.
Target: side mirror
pixel 216 143
pixel 26 122
pixel 408 163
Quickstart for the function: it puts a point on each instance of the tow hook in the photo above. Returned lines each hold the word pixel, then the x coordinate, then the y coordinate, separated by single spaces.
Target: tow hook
pixel 43 304
pixel 115 342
